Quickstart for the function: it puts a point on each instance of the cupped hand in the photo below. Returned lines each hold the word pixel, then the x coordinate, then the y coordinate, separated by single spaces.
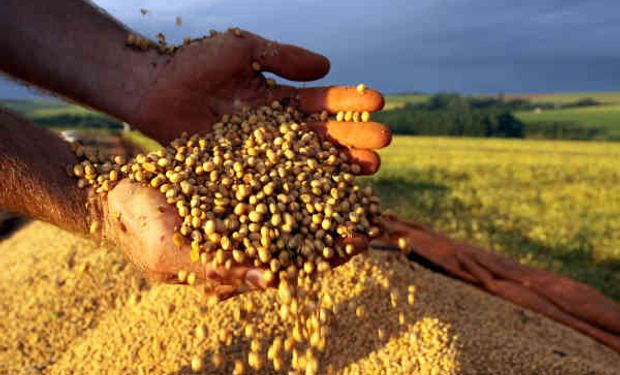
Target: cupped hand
pixel 140 221
pixel 218 75
pixel 192 89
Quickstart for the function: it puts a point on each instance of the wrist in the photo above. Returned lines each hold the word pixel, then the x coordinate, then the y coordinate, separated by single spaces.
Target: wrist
pixel 73 49
pixel 141 70
pixel 33 175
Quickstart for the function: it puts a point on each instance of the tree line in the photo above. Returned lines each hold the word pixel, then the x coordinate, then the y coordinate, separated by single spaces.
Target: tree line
pixel 456 115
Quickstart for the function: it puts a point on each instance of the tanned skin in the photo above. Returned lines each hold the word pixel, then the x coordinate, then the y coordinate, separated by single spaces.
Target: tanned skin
pixel 33 176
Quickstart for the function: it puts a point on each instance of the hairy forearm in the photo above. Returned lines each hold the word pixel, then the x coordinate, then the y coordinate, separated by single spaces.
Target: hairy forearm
pixel 33 176
pixel 73 49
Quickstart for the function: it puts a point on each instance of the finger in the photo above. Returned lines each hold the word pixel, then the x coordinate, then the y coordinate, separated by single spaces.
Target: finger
pixel 333 99
pixel 290 62
pixel 363 135
pixel 252 277
pixel 368 160
pixel 338 98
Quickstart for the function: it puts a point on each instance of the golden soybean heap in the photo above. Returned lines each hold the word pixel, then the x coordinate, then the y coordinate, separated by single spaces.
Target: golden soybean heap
pixel 451 329
pixel 260 190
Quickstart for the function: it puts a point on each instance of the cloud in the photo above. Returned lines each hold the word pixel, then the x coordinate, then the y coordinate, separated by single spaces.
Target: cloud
pixel 398 45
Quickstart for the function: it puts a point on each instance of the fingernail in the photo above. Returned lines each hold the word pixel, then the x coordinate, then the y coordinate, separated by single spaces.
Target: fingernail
pixel 255 278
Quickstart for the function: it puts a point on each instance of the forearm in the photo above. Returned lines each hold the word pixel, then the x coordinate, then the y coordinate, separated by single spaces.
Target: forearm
pixel 75 50
pixel 33 176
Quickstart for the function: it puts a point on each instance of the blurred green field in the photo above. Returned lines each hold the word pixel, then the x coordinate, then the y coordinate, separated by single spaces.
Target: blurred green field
pixel 606 117
pixel 26 106
pixel 550 204
pixel 42 107
pixel 57 111
pixel 396 101
pixel 49 109
pixel 563 98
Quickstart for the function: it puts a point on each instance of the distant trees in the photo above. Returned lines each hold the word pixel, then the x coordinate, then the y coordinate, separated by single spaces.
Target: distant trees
pixel 455 115
pixel 583 102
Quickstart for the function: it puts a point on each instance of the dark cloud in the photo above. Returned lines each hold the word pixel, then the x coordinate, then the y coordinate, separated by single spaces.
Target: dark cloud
pixel 428 45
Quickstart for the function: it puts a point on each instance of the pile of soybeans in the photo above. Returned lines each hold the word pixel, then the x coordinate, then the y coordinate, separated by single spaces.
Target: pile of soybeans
pixel 70 306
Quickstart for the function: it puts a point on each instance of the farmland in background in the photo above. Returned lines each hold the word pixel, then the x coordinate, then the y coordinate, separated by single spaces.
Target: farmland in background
pixel 81 122
pixel 563 98
pixel 397 101
pixel 605 117
pixel 582 115
pixel 550 204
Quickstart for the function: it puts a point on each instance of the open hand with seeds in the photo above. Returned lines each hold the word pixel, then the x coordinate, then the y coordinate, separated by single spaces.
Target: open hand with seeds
pixel 260 198
pixel 145 226
pixel 206 78
pixel 269 188
pixel 167 233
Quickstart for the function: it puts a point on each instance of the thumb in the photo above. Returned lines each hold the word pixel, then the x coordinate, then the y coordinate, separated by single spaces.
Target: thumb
pixel 290 62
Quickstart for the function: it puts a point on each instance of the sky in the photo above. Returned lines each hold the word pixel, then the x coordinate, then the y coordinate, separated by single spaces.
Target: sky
pixel 467 46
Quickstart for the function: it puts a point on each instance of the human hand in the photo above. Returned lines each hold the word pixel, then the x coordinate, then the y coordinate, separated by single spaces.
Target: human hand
pixel 203 81
pixel 138 219
pixel 214 76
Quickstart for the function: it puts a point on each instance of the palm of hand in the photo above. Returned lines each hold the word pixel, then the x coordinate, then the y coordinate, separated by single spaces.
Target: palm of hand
pixel 214 76
pixel 141 222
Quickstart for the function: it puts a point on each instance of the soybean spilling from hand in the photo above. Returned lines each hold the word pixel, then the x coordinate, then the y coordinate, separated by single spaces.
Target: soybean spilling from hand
pixel 260 190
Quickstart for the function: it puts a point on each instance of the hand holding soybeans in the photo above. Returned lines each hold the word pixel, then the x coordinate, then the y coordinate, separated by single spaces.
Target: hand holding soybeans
pixel 210 78
pixel 255 186
pixel 206 78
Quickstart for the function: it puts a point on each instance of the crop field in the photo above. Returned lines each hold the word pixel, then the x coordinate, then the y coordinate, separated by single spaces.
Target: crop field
pixel 396 101
pixel 606 117
pixel 550 204
pixel 563 98
pixel 43 107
